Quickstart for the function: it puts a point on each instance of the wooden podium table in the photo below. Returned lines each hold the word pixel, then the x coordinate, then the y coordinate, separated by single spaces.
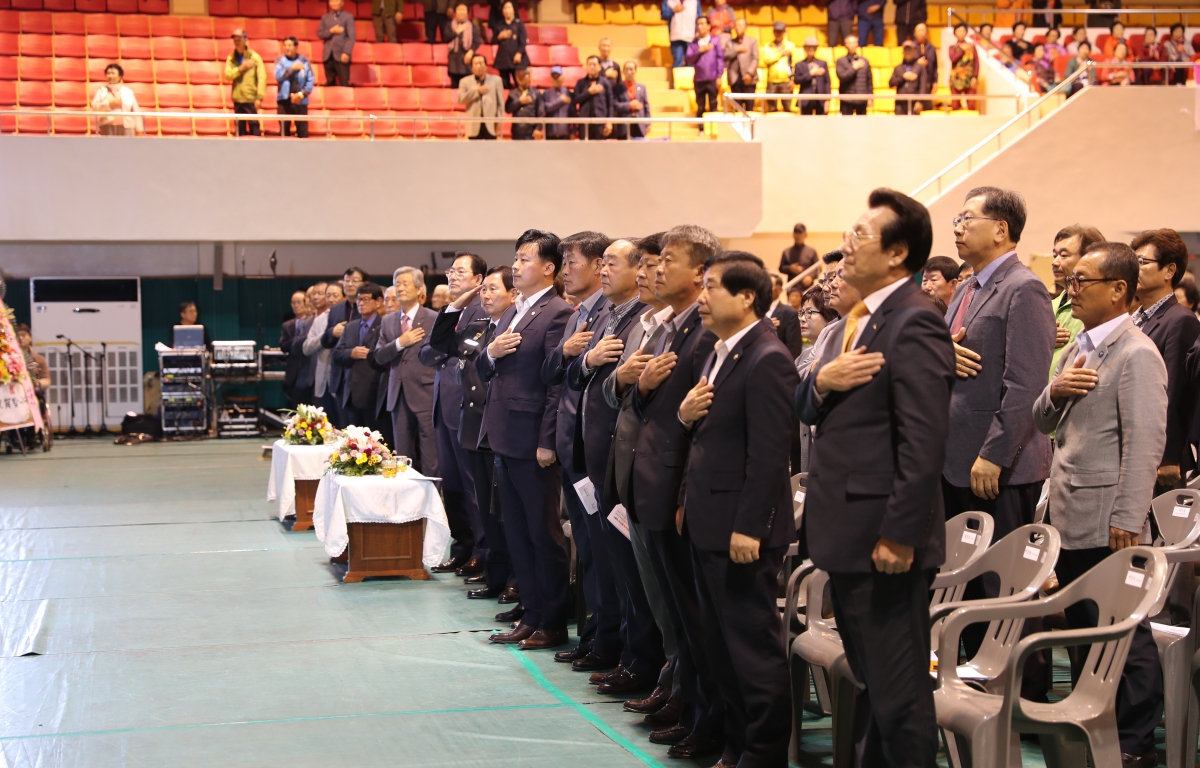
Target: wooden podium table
pixel 296 471
pixel 381 526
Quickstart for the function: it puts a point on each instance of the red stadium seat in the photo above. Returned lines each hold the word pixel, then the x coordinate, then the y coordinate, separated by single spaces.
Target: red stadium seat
pixel 10 44
pixel 37 23
pixel 427 77
pixel 8 67
pixel 339 97
pixel 167 48
pixel 70 46
pixel 223 7
pixel 174 96
pixel 364 30
pixel 121 6
pixel 438 99
pixel 342 123
pixel 95 70
pixel 445 129
pixel 386 53
pixel 305 49
pixel 441 55
pixel 255 8
pixel 32 94
pixel 540 77
pixel 37 45
pixel 134 48
pixel 364 52
pixel 133 25
pixel 283 9
pixel 35 69
pixel 70 124
pixel 200 49
pixel 26 5
pixel 417 127
pixel 204 72
pixel 176 126
pixel 70 70
pixel 414 11
pixel 196 26
pixel 101 24
pixel 210 127
pixel 10 21
pixel 395 75
pixel 101 47
pixel 539 55
pixel 480 12
pixel 531 35
pixel 373 99
pixel 352 9
pixel 410 31
pixel 154 6
pixel 301 29
pixel 564 56
pixel 260 29
pixel 384 129
pixel 404 99
pixel 312 9
pixel 59 6
pixel 223 28
pixel 270 49
pixel 318 72
pixel 91 6
pixel 524 15
pixel 138 70
pixel 317 127
pixel 8 93
pixel 166 26
pixel 572 74
pixel 208 97
pixel 70 95
pixel 166 71
pixel 144 93
pixel 552 35
pixel 316 99
pixel 364 75
pixel 70 24
pixel 33 124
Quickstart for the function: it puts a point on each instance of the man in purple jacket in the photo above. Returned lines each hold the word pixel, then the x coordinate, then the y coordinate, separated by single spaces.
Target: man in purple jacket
pixel 707 55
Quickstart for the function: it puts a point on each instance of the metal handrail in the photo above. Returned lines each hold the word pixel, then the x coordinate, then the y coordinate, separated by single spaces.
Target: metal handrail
pixel 1022 12
pixel 871 96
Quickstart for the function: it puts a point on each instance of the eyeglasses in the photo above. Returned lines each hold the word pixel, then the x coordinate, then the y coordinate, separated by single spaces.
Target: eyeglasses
pixel 1077 284
pixel 1143 261
pixel 810 312
pixel 963 221
pixel 853 239
pixel 457 272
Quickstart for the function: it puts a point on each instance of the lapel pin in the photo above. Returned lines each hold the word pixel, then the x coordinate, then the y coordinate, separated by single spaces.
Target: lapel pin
pixel 873 326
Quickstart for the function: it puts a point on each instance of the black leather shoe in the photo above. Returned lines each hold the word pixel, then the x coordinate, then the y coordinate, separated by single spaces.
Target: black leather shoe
pixel 724 763
pixel 514 615
pixel 472 567
pixel 449 566
pixel 1148 760
pixel 667 716
pixel 543 639
pixel 478 578
pixel 672 735
pixel 578 652
pixel 509 595
pixel 695 745
pixel 601 677
pixel 593 661
pixel 626 682
pixel 481 594
pixel 652 703
pixel 515 636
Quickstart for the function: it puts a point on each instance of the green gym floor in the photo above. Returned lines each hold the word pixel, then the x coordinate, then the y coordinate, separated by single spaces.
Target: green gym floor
pixel 155 613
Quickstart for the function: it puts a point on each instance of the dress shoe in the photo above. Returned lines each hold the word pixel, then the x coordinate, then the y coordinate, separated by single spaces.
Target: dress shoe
pixel 652 703
pixel 672 735
pixel 515 636
pixel 600 677
pixel 472 567
pixel 667 716
pixel 513 615
pixel 593 661
pixel 478 578
pixel 578 652
pixel 724 763
pixel 1148 760
pixel 543 639
pixel 626 682
pixel 695 745
pixel 481 594
pixel 510 595
pixel 447 566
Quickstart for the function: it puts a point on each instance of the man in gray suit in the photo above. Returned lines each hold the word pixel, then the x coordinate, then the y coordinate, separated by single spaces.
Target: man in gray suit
pixel 409 394
pixel 1107 408
pixel 483 94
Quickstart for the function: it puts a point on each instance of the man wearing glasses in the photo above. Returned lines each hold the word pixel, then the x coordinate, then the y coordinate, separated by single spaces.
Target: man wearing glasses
pixel 1003 327
pixel 1107 408
pixel 339 315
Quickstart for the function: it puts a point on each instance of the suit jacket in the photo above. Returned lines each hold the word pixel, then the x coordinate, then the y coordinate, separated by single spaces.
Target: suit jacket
pixel 597 422
pixel 660 456
pixel 287 338
pixel 344 311
pixel 335 45
pixel 447 391
pixel 407 375
pixel 1174 330
pixel 489 105
pixel 568 443
pixel 521 413
pixel 457 338
pixel 304 375
pixel 878 451
pixel 738 476
pixel 361 381
pixel 738 64
pixel 789 328
pixel 1107 442
pixel 625 432
pixel 1011 325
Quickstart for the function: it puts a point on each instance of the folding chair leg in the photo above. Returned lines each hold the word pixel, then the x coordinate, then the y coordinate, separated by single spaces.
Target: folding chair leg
pixel 957 757
pixel 1062 751
pixel 1175 664
pixel 845 695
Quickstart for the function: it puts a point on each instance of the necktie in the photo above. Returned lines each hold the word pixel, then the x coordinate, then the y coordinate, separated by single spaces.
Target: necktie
pixel 664 333
pixel 404 323
pixel 856 314
pixel 961 315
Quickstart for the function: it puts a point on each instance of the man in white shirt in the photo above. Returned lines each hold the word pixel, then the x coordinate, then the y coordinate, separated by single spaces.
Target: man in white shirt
pixel 322 357
pixel 115 96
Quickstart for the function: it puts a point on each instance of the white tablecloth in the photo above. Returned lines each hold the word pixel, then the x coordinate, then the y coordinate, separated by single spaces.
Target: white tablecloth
pixel 290 463
pixel 377 499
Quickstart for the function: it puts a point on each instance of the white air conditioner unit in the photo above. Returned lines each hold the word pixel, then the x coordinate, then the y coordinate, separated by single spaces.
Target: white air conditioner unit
pixel 90 330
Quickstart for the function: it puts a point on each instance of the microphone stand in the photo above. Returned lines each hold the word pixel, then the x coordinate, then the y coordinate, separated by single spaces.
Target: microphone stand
pixel 103 431
pixel 71 431
pixel 87 392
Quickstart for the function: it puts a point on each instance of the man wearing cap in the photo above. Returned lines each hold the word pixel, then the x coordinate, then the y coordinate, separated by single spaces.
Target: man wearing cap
pixel 798 257
pixel 854 76
pixel 812 75
pixel 777 57
pixel 337 32
pixel 557 102
pixel 909 77
pixel 244 68
pixel 741 59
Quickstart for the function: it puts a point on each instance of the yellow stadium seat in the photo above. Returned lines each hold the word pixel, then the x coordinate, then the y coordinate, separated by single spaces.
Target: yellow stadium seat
pixel 759 15
pixel 684 78
pixel 839 52
pixel 933 113
pixel 889 37
pixel 647 14
pixel 936 17
pixel 964 113
pixel 825 53
pixel 618 13
pixel 659 36
pixel 815 15
pixel 589 13
pixel 935 37
pixel 897 55
pixel 799 34
pixel 885 106
pixel 788 14
pixel 877 56
pixel 739 13
pixel 880 77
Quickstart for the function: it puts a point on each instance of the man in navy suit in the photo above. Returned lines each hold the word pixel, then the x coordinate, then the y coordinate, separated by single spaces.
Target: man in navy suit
pixel 880 402
pixel 354 355
pixel 469 550
pixel 340 315
pixel 736 505
pixel 519 422
pixel 409 395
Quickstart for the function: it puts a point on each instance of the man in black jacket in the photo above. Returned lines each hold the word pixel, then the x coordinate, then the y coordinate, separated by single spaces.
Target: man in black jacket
pixel 737 508
pixel 812 75
pixel 339 315
pixel 880 400
pixel 854 76
pixel 355 355
pixel 593 98
pixel 785 320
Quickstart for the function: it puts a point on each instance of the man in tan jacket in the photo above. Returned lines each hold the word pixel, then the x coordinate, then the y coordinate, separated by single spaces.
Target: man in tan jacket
pixel 244 68
pixel 483 94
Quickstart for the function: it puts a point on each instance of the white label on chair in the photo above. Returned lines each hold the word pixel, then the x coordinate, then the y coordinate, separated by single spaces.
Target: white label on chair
pixel 799 497
pixel 1181 511
pixel 969 538
pixel 620 519
pixel 1135 579
pixel 1031 553
pixel 587 496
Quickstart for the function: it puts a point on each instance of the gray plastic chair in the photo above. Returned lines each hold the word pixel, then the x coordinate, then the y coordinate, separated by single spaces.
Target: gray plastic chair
pixel 799 483
pixel 1125 586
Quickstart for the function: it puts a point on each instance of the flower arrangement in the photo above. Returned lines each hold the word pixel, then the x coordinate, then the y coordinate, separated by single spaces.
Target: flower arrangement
pixel 358 452
pixel 308 426
pixel 12 362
